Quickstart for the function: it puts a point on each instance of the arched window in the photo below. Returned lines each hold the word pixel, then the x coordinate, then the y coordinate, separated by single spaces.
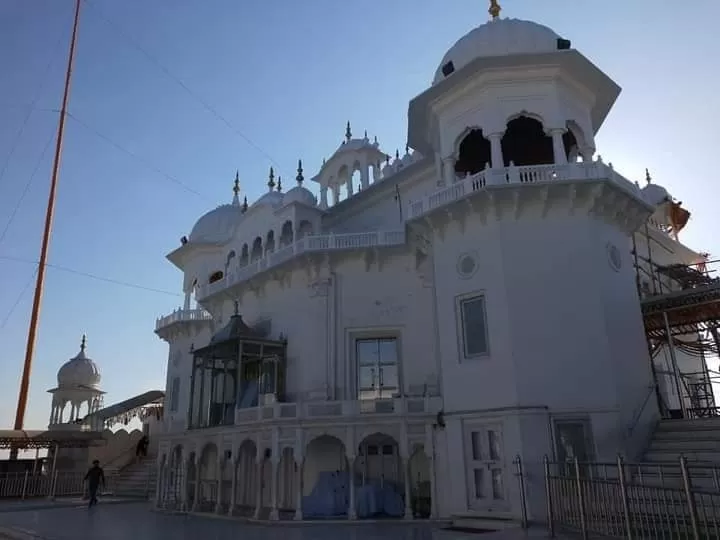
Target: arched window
pixel 473 154
pixel 525 143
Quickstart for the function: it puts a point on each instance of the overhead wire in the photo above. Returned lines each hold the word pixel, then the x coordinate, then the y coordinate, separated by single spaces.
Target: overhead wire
pixel 212 110
pixel 17 300
pixel 30 109
pixel 92 276
pixel 132 154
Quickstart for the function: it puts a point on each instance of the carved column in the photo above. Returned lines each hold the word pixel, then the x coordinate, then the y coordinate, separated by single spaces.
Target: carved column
pixel 449 169
pixel 496 153
pixel 220 470
pixel 558 146
pixel 196 495
pixel 408 488
pixel 323 197
pixel 259 462
pixel 275 464
pixel 233 483
pixel 351 512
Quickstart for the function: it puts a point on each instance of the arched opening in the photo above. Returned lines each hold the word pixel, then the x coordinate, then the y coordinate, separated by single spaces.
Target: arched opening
pixel 356 180
pixel 420 483
pixel 525 143
pixel 305 228
pixel 244 256
pixel 246 486
pixel 230 259
pixel 287 481
pixel 216 276
pixel 270 242
pixel 473 154
pixel 379 478
pixel 256 252
pixel 174 477
pixel 571 142
pixel 208 478
pixel 286 234
pixel 325 478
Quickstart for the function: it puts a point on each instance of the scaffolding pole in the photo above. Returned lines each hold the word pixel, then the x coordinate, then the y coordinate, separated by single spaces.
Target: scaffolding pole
pixel 673 359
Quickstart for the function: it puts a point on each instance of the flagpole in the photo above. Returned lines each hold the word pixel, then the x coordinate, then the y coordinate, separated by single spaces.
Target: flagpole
pixel 37 299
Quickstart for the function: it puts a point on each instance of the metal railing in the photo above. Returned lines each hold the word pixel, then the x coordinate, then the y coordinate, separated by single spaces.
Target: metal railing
pixel 25 485
pixel 623 500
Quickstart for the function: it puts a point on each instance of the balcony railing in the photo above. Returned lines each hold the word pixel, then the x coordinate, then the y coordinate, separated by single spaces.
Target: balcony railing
pixel 532 174
pixel 182 315
pixel 309 244
pixel 346 410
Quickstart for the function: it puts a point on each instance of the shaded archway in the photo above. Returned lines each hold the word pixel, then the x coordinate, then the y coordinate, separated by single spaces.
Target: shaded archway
pixel 208 477
pixel 379 477
pixel 246 484
pixel 270 242
pixel 286 234
pixel 473 154
pixel 305 228
pixel 325 478
pixel 525 143
pixel 229 260
pixel 420 483
pixel 244 256
pixel 256 252
pixel 192 480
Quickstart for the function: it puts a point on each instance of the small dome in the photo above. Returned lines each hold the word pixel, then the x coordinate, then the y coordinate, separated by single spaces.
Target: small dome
pixel 654 194
pixel 500 37
pixel 79 371
pixel 271 198
pixel 301 195
pixel 217 226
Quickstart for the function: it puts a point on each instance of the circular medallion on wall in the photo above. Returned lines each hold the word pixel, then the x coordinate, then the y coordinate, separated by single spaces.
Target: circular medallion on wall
pixel 614 257
pixel 467 265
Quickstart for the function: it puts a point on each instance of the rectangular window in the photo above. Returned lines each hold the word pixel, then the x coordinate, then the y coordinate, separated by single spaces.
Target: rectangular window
pixel 473 325
pixel 377 368
pixel 573 439
pixel 174 394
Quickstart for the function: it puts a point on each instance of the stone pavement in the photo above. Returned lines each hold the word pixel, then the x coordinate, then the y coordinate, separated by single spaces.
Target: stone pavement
pixel 136 521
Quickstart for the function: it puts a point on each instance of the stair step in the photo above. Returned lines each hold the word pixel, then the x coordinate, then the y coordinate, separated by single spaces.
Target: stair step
pixel 667 456
pixel 671 445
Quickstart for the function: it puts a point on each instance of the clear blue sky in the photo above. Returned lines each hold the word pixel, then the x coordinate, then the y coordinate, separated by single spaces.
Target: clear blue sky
pixel 287 75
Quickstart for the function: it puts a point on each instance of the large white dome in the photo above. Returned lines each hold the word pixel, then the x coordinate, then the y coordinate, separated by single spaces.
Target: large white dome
pixel 500 37
pixel 300 194
pixel 79 371
pixel 217 226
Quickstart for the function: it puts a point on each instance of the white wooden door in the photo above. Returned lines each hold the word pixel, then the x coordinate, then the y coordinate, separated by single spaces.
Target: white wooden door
pixel 487 489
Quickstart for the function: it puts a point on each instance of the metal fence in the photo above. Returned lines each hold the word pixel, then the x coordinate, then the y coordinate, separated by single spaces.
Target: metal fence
pixel 623 500
pixel 26 485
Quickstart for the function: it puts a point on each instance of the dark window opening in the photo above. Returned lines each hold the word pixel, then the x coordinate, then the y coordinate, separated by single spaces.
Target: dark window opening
pixel 569 143
pixel 474 153
pixel 448 69
pixel 525 143
pixel 215 276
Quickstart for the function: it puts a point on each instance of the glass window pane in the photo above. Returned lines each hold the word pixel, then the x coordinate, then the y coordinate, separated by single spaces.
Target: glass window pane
pixel 389 377
pixel 572 441
pixel 367 352
pixel 497 484
pixel 494 445
pixel 478 481
pixel 388 351
pixel 476 447
pixel 473 324
pixel 366 378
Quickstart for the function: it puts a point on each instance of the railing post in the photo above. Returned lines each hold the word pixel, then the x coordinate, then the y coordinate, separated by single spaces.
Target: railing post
pixel 53 485
pixel 624 495
pixel 548 496
pixel 24 488
pixel 521 485
pixel 581 500
pixel 690 498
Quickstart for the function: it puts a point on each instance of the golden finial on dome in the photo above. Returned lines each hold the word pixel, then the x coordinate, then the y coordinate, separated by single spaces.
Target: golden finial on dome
pixel 494 10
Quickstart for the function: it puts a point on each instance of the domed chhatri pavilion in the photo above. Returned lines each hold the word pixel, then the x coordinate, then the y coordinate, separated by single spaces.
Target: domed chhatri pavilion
pixel 78 391
pixel 392 345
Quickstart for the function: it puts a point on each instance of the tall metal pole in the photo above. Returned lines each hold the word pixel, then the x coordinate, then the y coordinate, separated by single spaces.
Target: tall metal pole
pixel 32 332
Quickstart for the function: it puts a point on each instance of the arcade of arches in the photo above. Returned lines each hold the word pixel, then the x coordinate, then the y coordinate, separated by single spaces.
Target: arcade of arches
pixel 524 142
pixel 317 484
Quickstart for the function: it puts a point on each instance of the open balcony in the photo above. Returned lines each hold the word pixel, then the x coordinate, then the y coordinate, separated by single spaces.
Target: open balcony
pixel 308 244
pixel 180 316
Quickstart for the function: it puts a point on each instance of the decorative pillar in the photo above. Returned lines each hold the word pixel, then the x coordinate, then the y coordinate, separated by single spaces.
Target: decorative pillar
pixel 323 197
pixel 365 176
pixel 275 464
pixel 558 146
pixel 351 512
pixel 259 462
pixel 449 169
pixel 336 194
pixel 298 489
pixel 233 484
pixel 408 488
pixel 587 153
pixel 350 188
pixel 196 494
pixel 496 154
pixel 185 467
pixel 430 454
pixel 220 468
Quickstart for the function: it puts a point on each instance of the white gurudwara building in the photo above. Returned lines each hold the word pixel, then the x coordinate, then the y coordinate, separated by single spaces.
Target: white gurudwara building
pixel 398 344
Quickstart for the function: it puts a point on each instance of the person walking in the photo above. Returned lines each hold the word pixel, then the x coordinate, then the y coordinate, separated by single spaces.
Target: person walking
pixel 142 448
pixel 94 477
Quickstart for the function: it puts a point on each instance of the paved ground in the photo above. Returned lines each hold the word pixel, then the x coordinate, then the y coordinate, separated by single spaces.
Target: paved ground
pixel 135 521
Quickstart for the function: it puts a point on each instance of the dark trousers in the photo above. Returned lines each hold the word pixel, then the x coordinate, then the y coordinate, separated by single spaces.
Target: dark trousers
pixel 92 489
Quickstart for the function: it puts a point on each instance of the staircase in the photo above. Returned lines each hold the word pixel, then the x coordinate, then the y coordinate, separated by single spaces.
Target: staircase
pixel 698 440
pixel 137 480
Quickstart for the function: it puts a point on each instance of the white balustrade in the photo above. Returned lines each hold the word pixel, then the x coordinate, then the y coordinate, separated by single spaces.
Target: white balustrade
pixel 182 315
pixel 304 245
pixel 318 410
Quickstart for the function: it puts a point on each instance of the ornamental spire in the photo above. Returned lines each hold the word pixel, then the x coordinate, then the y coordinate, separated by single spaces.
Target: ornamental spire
pixel 271 179
pixel 494 10
pixel 300 176
pixel 279 184
pixel 245 204
pixel 348 132
pixel 236 189
pixel 83 343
